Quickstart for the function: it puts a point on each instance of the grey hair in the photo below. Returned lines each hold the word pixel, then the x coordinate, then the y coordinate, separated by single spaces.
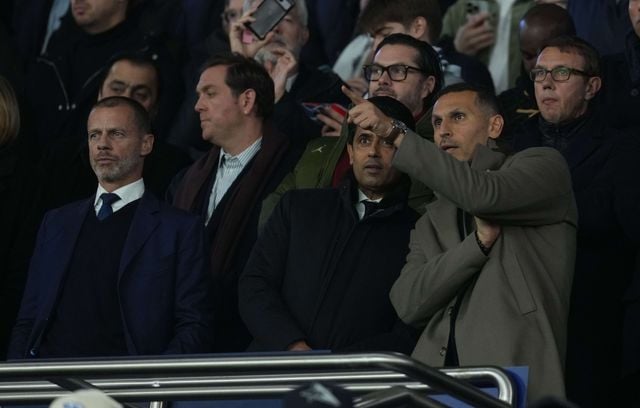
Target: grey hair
pixel 300 7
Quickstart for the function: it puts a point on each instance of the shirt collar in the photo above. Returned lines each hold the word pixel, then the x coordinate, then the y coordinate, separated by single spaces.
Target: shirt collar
pixel 129 193
pixel 244 157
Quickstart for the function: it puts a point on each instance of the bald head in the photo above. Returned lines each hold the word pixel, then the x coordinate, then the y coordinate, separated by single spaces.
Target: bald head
pixel 542 23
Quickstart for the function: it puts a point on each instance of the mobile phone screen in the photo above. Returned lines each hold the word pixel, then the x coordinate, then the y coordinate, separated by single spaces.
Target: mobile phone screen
pixel 268 15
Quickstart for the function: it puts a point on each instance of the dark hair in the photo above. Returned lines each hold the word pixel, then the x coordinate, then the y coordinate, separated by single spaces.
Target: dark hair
pixel 140 114
pixel 143 58
pixel 573 44
pixel 390 107
pixel 428 60
pixel 379 12
pixel 245 73
pixel 485 98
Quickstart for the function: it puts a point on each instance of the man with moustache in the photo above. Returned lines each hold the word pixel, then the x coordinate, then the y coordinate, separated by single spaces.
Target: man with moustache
pixel 604 166
pixel 403 68
pixel 489 271
pixel 120 273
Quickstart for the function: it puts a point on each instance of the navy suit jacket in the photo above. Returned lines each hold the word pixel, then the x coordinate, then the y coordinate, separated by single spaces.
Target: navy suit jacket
pixel 163 287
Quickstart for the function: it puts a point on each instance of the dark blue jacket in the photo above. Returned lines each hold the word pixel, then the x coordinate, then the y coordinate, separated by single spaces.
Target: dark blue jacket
pixel 163 288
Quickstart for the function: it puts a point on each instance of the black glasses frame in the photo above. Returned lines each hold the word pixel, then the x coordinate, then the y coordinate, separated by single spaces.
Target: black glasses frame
pixel 555 73
pixel 368 74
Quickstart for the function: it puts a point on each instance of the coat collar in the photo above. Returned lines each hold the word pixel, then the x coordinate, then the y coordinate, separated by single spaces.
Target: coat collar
pixel 144 222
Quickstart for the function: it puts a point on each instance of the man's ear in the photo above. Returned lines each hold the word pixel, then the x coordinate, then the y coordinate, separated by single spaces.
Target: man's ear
pixel 147 144
pixel 496 124
pixel 247 101
pixel 593 86
pixel 419 29
pixel 427 86
pixel 350 152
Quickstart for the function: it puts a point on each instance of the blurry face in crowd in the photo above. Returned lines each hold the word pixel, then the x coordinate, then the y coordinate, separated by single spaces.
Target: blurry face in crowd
pixel 290 34
pixel 413 89
pixel 532 39
pixel 231 13
pixel 219 110
pixel 634 15
pixel 116 146
pixel 371 157
pixel 460 124
pixel 97 16
pixel 380 33
pixel 563 101
pixel 135 81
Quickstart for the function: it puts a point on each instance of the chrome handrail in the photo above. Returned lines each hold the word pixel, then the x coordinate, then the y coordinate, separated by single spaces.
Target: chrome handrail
pixel 174 377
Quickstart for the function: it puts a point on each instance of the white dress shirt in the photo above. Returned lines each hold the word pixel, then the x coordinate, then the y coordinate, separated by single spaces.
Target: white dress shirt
pixel 129 193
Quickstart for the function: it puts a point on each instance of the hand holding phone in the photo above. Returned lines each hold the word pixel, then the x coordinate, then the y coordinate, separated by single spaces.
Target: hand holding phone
pixel 268 15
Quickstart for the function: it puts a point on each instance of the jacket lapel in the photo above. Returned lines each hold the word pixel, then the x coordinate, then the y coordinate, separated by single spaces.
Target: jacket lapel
pixel 145 221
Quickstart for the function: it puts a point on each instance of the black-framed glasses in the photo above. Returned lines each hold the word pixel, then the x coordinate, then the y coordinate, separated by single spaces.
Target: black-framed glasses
pixel 559 74
pixel 397 72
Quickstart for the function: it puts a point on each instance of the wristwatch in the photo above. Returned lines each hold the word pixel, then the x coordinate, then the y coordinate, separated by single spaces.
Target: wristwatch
pixel 397 128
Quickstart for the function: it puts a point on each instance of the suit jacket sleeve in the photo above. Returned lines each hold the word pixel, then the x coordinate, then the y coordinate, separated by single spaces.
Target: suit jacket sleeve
pixel 427 284
pixel 192 304
pixel 532 188
pixel 261 305
pixel 21 333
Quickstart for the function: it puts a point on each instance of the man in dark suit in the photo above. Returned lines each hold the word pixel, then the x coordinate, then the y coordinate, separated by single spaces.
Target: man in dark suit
pixel 119 273
pixel 247 161
pixel 316 277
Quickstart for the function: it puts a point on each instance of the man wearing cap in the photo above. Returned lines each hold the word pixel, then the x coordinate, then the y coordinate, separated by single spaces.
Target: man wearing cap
pixel 120 273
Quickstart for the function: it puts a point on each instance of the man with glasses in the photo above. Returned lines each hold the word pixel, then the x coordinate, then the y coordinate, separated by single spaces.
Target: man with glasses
pixel 418 77
pixel 604 169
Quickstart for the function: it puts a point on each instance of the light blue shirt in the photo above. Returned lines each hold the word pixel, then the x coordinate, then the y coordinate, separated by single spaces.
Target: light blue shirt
pixel 229 168
pixel 129 193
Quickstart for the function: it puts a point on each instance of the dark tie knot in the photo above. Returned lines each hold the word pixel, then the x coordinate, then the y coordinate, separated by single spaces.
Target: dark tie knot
pixel 370 207
pixel 107 200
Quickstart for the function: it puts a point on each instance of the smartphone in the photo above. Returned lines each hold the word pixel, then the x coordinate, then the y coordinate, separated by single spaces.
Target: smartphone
pixel 268 15
pixel 313 108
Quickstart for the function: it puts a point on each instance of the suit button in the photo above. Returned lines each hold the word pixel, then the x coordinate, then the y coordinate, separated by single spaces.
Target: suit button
pixel 450 311
pixel 634 92
pixel 33 352
pixel 443 351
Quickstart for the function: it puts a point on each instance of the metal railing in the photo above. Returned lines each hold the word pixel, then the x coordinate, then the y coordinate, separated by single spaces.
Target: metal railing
pixel 249 376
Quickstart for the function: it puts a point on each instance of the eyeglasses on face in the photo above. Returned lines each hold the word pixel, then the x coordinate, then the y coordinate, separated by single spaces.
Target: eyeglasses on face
pixel 559 74
pixel 397 72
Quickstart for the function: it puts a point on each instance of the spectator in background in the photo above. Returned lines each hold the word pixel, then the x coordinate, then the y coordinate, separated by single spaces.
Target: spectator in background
pixel 488 29
pixel 19 210
pixel 294 83
pixel 415 77
pixel 604 169
pixel 316 278
pixel 137 76
pixel 422 20
pixel 65 78
pixel 540 24
pixel 247 160
pixel 100 264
